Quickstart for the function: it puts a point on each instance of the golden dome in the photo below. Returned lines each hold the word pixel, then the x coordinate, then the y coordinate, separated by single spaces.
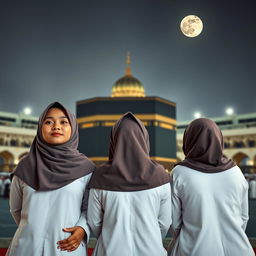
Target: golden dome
pixel 128 86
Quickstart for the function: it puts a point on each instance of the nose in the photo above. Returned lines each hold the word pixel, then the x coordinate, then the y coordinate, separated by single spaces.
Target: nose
pixel 55 127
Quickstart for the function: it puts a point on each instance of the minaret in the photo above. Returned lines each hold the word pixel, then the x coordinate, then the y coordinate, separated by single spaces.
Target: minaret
pixel 128 71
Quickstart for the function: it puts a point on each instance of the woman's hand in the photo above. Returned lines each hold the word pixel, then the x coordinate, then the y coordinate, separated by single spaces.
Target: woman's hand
pixel 73 241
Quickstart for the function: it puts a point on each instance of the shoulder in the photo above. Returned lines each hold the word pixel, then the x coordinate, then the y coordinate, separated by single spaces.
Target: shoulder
pixel 180 170
pixel 165 190
pixel 234 172
pixel 17 182
pixel 165 187
pixel 237 173
pixel 86 178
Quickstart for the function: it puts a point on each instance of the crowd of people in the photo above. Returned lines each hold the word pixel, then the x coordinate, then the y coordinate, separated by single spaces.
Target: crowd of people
pixel 252 188
pixel 5 186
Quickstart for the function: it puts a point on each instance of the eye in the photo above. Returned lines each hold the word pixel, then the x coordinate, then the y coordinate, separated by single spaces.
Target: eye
pixel 64 122
pixel 48 122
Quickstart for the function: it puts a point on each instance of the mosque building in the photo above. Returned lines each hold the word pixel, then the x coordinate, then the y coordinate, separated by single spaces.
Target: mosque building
pixel 97 115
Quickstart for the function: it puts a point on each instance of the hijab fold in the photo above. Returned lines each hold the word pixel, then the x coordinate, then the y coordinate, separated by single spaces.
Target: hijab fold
pixel 129 167
pixel 203 147
pixel 49 167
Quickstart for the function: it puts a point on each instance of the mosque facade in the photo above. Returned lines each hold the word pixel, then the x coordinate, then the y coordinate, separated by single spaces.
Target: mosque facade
pixel 17 132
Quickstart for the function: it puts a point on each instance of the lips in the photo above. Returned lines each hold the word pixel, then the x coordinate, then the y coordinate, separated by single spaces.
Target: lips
pixel 56 134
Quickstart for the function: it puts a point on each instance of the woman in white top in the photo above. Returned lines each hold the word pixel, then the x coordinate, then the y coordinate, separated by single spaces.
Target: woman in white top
pixel 209 198
pixel 48 190
pixel 130 198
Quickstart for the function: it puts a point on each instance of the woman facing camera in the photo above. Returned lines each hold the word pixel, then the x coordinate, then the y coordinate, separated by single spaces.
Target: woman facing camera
pixel 130 198
pixel 48 191
pixel 209 198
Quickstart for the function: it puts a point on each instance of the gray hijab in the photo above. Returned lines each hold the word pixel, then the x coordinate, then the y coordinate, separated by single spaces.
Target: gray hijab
pixel 203 147
pixel 49 167
pixel 129 167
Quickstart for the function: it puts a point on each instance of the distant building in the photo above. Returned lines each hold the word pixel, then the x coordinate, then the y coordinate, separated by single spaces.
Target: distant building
pixel 96 116
pixel 17 132
pixel 239 133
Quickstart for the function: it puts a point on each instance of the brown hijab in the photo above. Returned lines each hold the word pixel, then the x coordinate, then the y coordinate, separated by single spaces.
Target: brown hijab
pixel 203 147
pixel 47 166
pixel 129 167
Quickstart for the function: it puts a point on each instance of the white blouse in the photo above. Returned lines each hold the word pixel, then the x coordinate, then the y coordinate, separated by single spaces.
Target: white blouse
pixel 130 223
pixel 41 216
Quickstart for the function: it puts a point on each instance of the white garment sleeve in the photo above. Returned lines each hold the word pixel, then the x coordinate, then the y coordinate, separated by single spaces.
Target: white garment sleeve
pixel 16 196
pixel 165 212
pixel 82 222
pixel 244 208
pixel 176 211
pixel 95 212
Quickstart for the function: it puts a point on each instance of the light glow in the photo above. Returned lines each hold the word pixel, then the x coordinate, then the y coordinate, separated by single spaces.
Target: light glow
pixel 229 111
pixel 197 115
pixel 27 111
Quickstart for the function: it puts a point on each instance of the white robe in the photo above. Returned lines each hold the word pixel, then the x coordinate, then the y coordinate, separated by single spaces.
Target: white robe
pixel 130 223
pixel 210 213
pixel 41 216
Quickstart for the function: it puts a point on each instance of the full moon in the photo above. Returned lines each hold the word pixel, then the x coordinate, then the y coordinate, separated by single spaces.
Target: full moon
pixel 191 26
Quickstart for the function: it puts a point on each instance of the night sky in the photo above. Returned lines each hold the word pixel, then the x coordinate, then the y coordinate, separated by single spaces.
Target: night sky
pixel 74 50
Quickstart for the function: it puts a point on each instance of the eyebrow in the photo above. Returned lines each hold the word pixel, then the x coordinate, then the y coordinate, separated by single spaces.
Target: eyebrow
pixel 51 117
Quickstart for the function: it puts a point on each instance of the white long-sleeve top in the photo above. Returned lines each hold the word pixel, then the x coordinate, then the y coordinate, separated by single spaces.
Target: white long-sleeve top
pixel 41 216
pixel 130 223
pixel 210 213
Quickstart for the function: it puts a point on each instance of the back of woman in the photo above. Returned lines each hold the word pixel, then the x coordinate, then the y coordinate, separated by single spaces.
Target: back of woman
pixel 129 207
pixel 214 213
pixel 209 198
pixel 133 223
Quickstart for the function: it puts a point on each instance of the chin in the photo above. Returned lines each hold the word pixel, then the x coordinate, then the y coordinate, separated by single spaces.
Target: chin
pixel 62 142
pixel 56 142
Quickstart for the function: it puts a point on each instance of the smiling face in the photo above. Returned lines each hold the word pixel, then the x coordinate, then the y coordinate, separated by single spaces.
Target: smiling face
pixel 56 128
